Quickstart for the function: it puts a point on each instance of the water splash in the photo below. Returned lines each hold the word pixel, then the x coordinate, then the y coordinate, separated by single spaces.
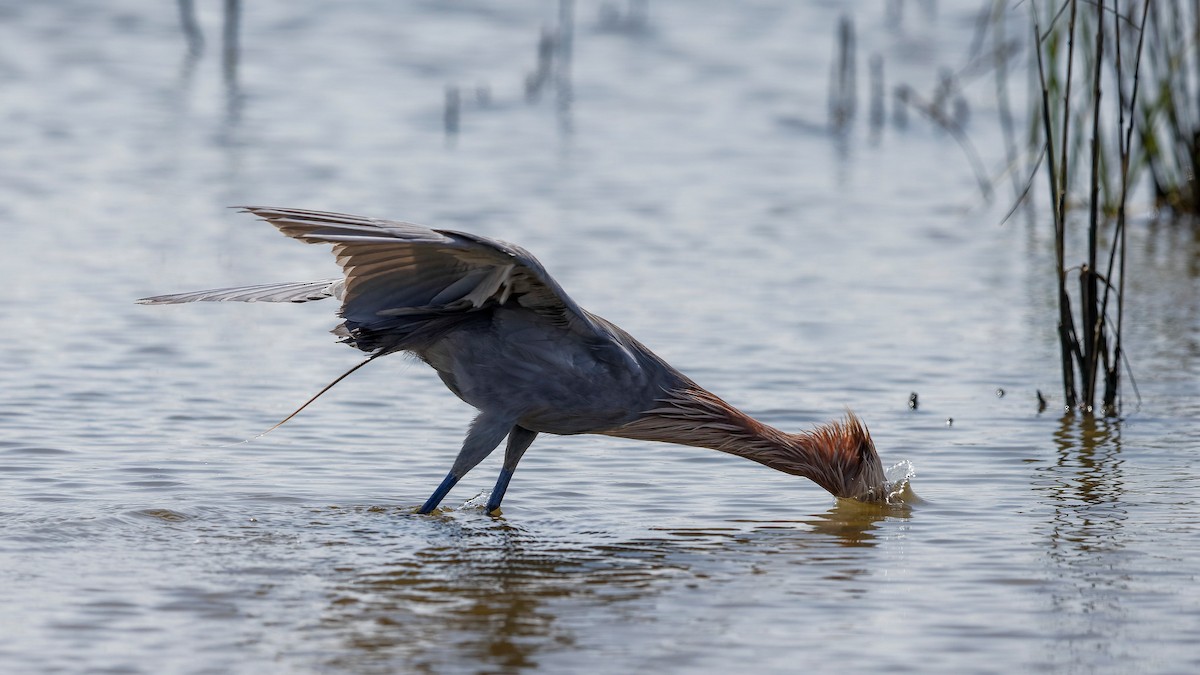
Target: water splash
pixel 896 479
pixel 479 501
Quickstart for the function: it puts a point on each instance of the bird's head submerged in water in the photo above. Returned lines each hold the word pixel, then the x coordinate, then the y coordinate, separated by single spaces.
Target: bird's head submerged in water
pixel 839 456
pixel 846 463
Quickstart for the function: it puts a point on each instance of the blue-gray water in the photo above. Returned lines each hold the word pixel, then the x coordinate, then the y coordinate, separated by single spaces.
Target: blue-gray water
pixel 684 186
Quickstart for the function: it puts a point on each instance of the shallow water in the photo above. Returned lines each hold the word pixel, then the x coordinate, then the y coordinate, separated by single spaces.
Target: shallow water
pixel 670 189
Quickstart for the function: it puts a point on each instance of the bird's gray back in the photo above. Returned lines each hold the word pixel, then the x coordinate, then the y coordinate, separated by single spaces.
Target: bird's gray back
pixel 517 363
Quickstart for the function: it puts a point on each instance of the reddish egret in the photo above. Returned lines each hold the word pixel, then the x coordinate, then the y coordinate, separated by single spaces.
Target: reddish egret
pixel 506 338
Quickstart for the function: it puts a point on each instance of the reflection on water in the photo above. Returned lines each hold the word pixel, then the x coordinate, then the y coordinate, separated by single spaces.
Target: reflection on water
pixel 490 592
pixel 195 42
pixel 231 19
pixel 853 523
pixel 495 593
pixel 230 57
pixel 1085 488
pixel 480 594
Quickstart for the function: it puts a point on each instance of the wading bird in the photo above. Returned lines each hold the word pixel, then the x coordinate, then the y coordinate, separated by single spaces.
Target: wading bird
pixel 506 338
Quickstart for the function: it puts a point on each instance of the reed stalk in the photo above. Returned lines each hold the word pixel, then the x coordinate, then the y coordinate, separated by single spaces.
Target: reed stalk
pixel 1090 350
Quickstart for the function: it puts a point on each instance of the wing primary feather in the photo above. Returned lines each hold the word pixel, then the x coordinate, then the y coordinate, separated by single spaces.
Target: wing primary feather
pixel 319 393
pixel 293 291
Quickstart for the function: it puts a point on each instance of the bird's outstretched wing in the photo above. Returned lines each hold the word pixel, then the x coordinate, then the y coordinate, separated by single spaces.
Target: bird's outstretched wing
pixel 293 291
pixel 395 269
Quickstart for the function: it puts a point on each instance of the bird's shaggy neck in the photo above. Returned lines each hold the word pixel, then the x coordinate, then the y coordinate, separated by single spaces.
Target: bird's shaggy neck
pixel 838 456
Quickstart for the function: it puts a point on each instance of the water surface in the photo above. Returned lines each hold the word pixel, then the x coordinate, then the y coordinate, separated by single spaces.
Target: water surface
pixel 678 180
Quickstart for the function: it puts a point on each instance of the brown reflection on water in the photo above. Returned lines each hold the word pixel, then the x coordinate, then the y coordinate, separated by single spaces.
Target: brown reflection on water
pixel 1085 488
pixel 851 523
pixel 496 594
pixel 483 595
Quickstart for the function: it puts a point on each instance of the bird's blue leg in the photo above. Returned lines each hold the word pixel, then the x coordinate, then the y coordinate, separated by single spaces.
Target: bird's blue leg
pixel 485 434
pixel 440 493
pixel 498 491
pixel 519 439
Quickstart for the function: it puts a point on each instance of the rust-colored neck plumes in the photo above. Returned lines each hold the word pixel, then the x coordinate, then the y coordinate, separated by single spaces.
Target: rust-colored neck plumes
pixel 839 456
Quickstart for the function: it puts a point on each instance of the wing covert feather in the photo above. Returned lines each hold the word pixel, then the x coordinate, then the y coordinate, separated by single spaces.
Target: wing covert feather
pixel 395 269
